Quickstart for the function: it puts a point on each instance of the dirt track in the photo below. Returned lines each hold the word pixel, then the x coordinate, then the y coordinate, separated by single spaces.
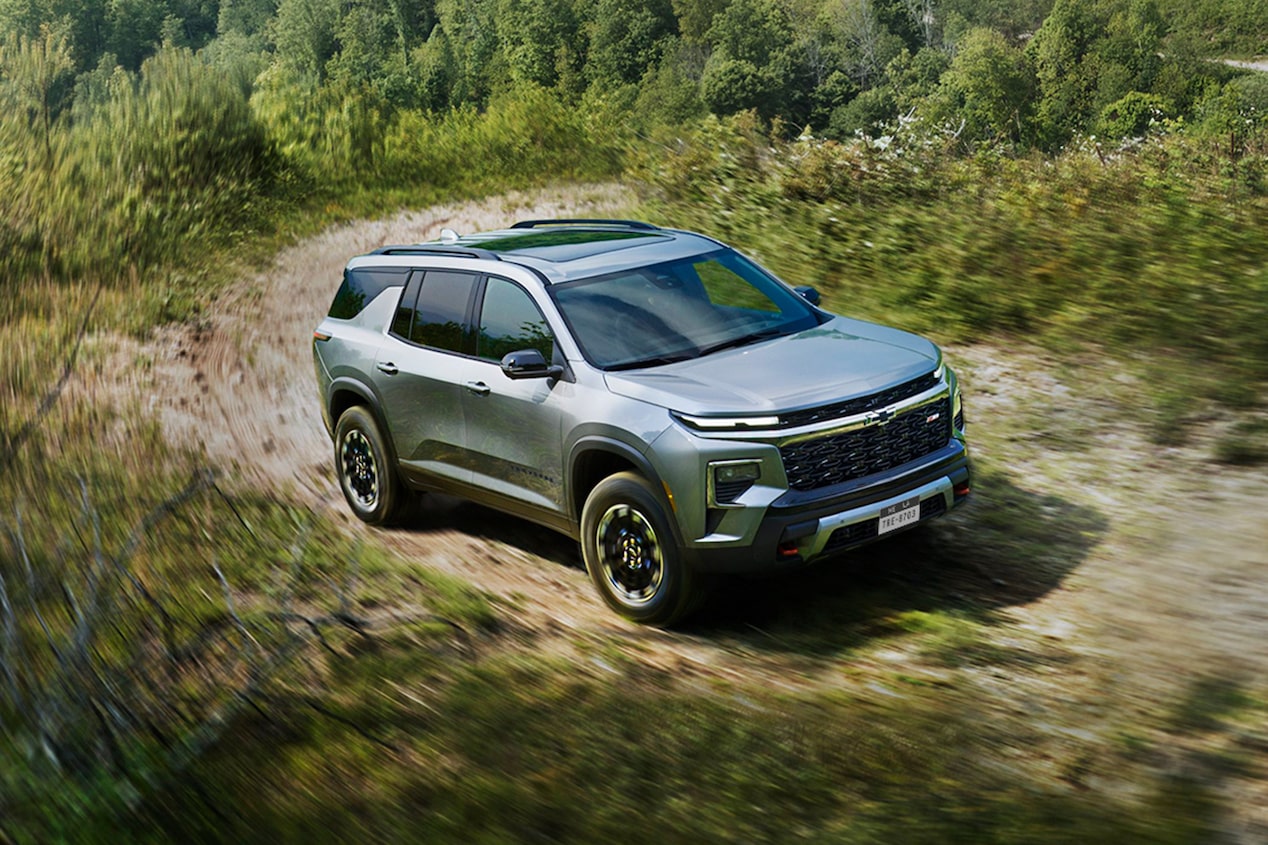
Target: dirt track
pixel 1151 572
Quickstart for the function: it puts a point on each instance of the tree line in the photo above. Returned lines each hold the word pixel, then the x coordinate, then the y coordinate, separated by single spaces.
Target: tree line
pixel 118 114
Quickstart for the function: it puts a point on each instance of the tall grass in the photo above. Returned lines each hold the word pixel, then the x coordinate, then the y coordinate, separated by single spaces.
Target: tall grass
pixel 161 163
pixel 1154 247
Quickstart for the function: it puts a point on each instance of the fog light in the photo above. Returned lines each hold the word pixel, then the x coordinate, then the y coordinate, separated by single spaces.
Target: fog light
pixel 729 479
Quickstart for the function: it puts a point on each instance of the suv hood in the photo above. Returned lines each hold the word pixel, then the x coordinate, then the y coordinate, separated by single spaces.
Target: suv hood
pixel 840 359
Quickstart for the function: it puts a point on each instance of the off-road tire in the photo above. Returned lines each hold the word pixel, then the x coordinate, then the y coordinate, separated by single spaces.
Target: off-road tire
pixel 631 552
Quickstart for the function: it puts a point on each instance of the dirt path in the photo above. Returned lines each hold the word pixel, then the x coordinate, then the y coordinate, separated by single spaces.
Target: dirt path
pixel 1260 65
pixel 241 386
pixel 1130 570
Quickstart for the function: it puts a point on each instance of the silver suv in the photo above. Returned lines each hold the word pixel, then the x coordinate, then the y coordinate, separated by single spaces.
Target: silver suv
pixel 649 392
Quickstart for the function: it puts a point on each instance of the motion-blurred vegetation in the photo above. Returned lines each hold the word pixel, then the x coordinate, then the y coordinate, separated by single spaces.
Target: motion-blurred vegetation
pixel 1019 163
pixel 1068 170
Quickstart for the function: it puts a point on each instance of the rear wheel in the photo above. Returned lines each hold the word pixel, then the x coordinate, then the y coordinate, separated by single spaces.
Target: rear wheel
pixel 366 475
pixel 631 554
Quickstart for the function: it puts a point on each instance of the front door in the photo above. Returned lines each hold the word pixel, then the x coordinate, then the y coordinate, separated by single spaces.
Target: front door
pixel 514 438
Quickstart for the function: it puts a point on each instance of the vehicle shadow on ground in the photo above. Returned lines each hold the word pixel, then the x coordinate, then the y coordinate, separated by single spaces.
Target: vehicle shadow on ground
pixel 1006 546
pixel 439 512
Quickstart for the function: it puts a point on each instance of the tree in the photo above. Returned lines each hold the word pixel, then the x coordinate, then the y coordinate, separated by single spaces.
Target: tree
pixel 1090 53
pixel 755 62
pixel 303 33
pixel 471 38
pixel 136 29
pixel 36 83
pixel 695 17
pixel 924 19
pixel 864 45
pixel 989 87
pixel 532 33
pixel 626 38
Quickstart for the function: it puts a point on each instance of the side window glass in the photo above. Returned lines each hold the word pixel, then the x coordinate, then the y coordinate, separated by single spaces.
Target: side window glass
pixel 509 321
pixel 361 286
pixel 404 316
pixel 442 309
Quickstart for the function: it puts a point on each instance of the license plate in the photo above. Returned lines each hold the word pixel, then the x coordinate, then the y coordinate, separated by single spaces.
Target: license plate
pixel 900 515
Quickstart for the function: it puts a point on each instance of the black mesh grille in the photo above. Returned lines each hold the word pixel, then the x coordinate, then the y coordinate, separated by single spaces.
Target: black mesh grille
pixel 726 492
pixel 852 535
pixel 959 421
pixel 861 532
pixel 811 464
pixel 860 404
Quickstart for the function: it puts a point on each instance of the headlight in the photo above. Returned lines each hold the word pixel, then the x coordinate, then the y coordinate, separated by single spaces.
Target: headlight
pixel 729 479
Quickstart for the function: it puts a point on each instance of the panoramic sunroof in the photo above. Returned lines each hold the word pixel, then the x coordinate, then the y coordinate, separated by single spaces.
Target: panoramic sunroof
pixel 565 244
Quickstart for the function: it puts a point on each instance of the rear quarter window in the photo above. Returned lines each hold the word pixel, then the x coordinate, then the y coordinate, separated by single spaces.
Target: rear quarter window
pixel 361 286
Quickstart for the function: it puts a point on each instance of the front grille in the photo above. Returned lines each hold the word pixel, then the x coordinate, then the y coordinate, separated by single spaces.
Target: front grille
pixel 860 404
pixel 959 421
pixel 811 464
pixel 861 532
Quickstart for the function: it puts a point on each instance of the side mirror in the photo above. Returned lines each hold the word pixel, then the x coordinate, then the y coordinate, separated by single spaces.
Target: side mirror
pixel 528 363
pixel 808 293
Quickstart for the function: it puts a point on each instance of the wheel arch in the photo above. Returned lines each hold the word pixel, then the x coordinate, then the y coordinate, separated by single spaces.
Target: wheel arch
pixel 346 392
pixel 594 458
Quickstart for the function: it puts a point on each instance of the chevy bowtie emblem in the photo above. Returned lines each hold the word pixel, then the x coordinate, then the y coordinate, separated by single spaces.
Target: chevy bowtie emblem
pixel 881 417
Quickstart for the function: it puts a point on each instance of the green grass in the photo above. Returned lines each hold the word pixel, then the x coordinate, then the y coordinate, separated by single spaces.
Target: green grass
pixel 517 749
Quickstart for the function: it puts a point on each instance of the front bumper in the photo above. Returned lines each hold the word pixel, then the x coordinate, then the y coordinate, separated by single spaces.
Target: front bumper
pixel 794 532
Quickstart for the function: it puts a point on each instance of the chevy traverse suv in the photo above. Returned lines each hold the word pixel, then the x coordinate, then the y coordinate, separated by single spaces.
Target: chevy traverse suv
pixel 649 392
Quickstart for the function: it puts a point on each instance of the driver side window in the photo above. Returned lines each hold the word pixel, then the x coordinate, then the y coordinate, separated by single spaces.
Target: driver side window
pixel 510 321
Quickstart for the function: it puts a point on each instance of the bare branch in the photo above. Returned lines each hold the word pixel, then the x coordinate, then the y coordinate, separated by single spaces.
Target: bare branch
pixel 8 643
pixel 14 443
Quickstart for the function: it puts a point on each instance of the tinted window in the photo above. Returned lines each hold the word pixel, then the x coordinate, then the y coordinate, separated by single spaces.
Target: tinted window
pixel 441 311
pixel 404 317
pixel 510 321
pixel 361 286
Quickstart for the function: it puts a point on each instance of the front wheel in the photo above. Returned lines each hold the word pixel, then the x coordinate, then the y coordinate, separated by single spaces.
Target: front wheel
pixel 366 475
pixel 630 552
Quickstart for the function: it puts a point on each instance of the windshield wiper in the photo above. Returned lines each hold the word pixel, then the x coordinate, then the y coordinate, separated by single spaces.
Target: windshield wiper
pixel 654 361
pixel 743 340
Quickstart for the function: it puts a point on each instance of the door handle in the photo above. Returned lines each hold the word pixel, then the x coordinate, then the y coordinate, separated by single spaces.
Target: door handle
pixel 479 388
pixel 387 367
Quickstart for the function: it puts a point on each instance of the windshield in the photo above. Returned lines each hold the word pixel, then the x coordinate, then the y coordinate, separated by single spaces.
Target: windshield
pixel 678 310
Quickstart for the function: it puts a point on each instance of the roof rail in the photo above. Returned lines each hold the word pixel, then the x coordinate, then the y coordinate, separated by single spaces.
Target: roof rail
pixel 584 221
pixel 438 249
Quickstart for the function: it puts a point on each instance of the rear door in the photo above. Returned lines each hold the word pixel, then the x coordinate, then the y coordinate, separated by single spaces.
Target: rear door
pixel 417 373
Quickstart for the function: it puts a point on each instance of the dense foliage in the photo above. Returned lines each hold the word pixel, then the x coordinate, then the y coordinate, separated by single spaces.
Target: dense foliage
pixel 128 128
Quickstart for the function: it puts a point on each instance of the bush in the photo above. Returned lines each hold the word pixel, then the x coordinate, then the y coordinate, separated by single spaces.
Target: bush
pixel 1132 116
